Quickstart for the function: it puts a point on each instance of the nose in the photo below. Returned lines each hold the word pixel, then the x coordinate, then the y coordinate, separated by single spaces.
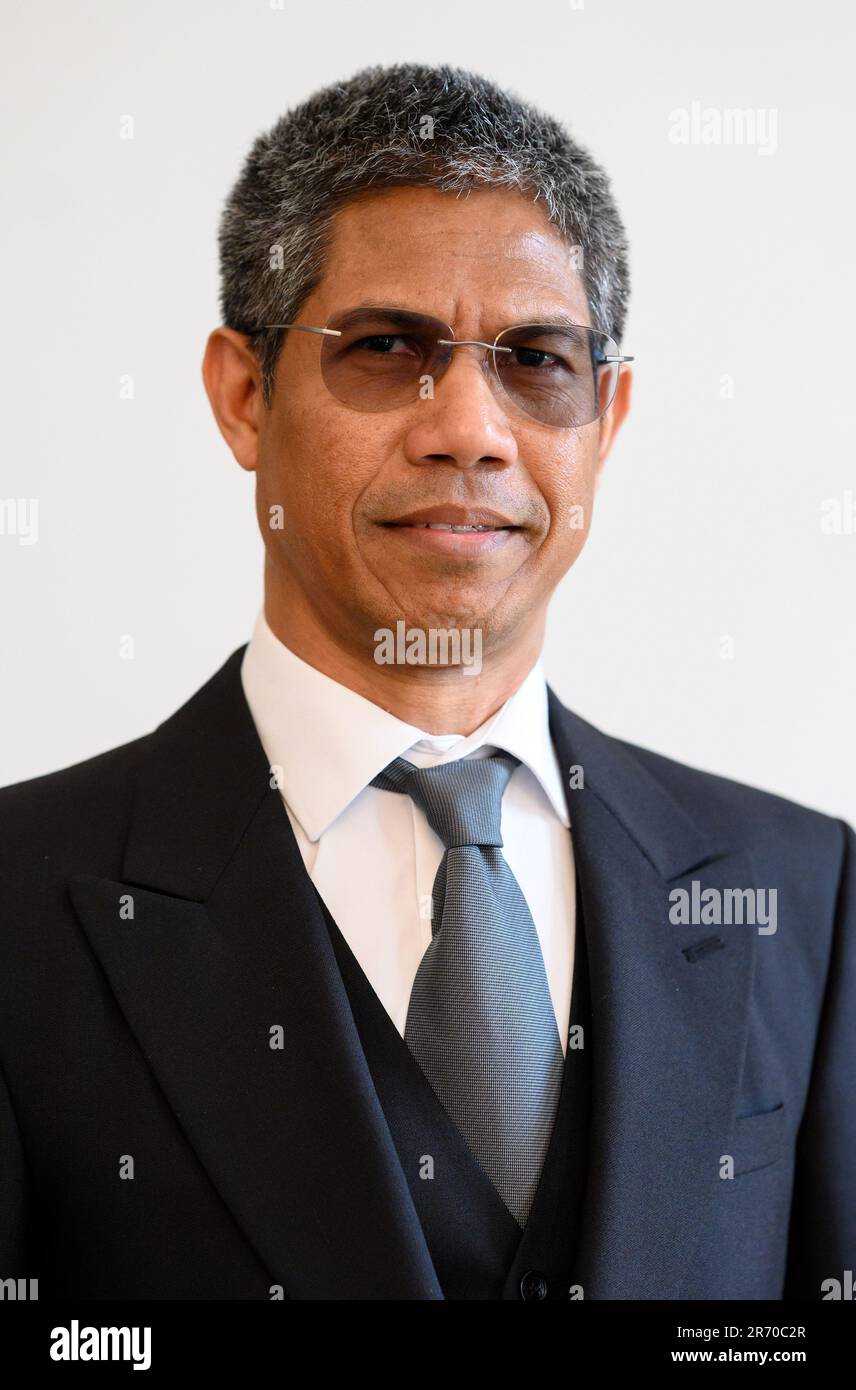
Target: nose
pixel 459 420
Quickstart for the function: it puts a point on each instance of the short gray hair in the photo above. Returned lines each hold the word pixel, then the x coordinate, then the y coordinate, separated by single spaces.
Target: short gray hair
pixel 410 124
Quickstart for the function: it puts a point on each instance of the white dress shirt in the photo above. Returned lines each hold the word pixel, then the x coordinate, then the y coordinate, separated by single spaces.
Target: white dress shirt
pixel 372 856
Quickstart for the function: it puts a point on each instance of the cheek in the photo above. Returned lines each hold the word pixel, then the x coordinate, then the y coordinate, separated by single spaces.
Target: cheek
pixel 568 484
pixel 316 464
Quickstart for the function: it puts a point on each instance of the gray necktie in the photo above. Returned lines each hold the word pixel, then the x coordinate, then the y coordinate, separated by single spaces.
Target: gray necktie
pixel 480 1020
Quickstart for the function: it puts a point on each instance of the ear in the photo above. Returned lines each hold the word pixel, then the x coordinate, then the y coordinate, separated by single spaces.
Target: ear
pixel 232 379
pixel 611 422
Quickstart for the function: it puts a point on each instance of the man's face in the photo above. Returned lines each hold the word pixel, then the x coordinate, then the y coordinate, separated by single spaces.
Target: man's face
pixel 343 477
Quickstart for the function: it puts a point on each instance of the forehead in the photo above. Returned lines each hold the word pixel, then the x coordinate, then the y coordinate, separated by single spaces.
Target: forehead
pixel 489 254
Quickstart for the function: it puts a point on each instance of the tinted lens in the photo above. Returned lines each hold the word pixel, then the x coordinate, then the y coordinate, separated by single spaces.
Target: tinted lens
pixel 558 375
pixel 382 358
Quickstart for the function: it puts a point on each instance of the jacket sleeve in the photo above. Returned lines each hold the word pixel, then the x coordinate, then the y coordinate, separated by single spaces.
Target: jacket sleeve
pixel 822 1239
pixel 13 1193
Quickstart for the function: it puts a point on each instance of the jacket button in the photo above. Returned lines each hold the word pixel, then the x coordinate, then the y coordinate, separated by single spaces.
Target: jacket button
pixel 533 1285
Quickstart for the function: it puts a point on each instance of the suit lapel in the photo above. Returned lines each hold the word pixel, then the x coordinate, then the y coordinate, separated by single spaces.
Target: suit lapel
pixel 227 946
pixel 669 1028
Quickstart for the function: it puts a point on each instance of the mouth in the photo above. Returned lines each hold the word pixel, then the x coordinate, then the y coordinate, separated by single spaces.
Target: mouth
pixel 455 530
pixel 446 526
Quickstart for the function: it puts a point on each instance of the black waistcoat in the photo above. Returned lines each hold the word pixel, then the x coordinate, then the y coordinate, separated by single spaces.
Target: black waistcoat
pixel 477 1247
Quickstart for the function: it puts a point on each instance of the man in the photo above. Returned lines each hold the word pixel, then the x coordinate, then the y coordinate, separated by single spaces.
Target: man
pixel 374 972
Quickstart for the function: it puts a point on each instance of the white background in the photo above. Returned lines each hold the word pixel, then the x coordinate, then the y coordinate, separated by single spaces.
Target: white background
pixel 708 519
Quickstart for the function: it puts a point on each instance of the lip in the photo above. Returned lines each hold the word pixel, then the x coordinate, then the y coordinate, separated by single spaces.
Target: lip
pixel 411 529
pixel 455 515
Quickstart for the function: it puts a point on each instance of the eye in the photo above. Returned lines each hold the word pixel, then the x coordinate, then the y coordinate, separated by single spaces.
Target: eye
pixel 539 359
pixel 546 351
pixel 535 357
pixel 383 344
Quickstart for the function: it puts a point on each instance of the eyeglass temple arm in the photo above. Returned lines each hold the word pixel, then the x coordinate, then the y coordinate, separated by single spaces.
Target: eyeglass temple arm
pixel 307 328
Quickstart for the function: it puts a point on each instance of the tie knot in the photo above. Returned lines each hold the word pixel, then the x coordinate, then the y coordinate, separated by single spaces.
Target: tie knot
pixel 462 800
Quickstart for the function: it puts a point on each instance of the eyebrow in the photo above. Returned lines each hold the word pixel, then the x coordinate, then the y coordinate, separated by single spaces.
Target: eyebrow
pixel 557 319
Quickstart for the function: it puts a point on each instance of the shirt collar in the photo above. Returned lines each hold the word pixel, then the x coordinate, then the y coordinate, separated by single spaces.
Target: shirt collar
pixel 328 742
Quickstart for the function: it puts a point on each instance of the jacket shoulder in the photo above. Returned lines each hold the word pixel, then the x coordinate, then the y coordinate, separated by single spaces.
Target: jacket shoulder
pixel 88 804
pixel 73 818
pixel 730 808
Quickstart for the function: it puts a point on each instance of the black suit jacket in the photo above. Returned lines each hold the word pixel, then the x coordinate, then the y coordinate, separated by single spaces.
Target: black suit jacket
pixel 144 1039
